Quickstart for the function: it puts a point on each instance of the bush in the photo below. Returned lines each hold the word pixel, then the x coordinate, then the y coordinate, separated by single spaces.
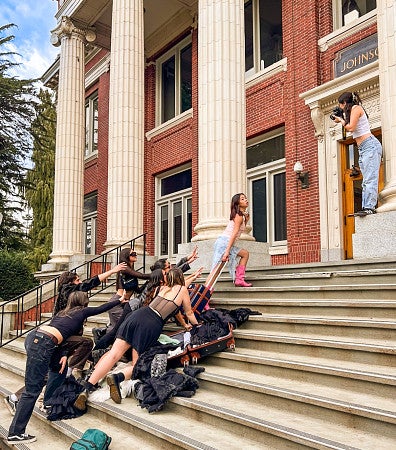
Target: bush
pixel 15 275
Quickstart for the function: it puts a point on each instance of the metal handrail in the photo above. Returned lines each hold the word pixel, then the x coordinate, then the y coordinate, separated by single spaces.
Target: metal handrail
pixel 30 305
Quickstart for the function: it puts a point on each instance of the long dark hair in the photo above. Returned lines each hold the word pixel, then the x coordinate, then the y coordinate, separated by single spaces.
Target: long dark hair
pixel 155 280
pixel 77 300
pixel 350 99
pixel 124 257
pixel 235 206
pixel 66 278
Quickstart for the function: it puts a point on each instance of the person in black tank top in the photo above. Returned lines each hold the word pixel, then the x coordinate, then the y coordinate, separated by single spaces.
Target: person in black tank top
pixel 140 331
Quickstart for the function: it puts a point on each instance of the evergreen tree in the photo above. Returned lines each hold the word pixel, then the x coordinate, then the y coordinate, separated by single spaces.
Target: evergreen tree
pixel 17 99
pixel 40 180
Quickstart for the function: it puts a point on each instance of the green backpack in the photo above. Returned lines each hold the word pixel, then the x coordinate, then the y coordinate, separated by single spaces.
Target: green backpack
pixel 92 439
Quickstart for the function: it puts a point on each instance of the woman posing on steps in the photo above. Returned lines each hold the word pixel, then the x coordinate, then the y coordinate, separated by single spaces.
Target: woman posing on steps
pixel 224 248
pixel 140 331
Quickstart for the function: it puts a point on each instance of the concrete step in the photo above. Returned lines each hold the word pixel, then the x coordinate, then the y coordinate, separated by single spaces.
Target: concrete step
pixel 346 349
pixel 309 292
pixel 351 375
pixel 333 398
pixel 353 308
pixel 324 326
pixel 316 429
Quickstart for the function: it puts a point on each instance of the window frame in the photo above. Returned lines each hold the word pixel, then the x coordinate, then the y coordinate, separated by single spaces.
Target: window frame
pixel 338 19
pixel 176 52
pixel 268 171
pixel 90 128
pixel 184 195
pixel 90 217
pixel 257 61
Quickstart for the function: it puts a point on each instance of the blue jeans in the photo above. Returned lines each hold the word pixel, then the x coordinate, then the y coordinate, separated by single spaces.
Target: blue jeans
pixel 370 152
pixel 40 350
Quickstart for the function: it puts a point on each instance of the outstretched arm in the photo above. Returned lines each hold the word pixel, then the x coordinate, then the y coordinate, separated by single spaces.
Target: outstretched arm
pixel 187 306
pixel 103 276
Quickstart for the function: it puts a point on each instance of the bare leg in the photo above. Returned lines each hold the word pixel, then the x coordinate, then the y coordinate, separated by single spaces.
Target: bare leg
pixel 108 360
pixel 244 255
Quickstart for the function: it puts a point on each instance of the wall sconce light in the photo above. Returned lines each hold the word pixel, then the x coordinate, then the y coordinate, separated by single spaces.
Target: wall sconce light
pixel 301 175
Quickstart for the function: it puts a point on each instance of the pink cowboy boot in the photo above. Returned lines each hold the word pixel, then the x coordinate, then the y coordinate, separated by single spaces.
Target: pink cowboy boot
pixel 240 277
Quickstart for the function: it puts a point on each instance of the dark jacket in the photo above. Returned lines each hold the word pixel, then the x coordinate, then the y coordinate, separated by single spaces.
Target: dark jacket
pixel 67 289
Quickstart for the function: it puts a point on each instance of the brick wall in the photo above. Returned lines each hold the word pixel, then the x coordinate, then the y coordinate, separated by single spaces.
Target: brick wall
pixel 270 104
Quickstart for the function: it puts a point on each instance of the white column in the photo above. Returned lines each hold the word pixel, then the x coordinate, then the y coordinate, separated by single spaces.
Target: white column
pixel 386 24
pixel 221 112
pixel 126 123
pixel 69 153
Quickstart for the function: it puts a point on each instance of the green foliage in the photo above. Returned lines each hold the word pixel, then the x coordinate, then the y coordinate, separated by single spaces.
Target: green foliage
pixel 17 100
pixel 39 192
pixel 15 275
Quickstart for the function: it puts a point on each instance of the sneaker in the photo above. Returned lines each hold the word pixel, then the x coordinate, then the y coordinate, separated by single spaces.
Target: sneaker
pixel 21 438
pixel 81 401
pixel 11 404
pixel 365 212
pixel 98 333
pixel 115 392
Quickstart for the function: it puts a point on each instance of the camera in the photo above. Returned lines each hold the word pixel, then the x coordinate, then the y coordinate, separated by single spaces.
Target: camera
pixel 337 112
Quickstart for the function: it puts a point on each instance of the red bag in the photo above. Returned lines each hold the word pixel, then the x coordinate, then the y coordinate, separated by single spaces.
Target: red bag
pixel 200 294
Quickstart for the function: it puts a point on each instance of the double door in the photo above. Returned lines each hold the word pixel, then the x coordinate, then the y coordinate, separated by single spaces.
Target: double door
pixel 352 190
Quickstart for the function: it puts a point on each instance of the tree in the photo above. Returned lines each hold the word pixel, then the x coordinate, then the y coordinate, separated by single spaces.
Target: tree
pixel 17 100
pixel 39 191
pixel 15 275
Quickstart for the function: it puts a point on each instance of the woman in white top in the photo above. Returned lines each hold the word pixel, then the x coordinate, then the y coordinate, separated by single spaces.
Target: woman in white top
pixel 224 248
pixel 356 121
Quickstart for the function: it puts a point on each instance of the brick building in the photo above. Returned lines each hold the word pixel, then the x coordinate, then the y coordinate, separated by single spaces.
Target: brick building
pixel 167 108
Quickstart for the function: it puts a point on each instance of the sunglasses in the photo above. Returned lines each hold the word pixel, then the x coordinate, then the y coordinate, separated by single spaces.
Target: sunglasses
pixel 133 254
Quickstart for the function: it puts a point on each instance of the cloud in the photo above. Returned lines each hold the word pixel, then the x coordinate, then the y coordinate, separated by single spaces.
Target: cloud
pixel 34 20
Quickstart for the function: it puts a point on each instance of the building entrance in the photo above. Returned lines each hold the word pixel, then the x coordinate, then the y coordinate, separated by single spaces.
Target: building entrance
pixel 352 190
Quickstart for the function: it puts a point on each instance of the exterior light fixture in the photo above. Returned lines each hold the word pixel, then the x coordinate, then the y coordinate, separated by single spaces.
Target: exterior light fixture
pixel 301 175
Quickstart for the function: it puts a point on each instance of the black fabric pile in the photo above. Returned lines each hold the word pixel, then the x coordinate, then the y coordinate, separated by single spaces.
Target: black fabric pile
pixel 63 399
pixel 216 324
pixel 154 392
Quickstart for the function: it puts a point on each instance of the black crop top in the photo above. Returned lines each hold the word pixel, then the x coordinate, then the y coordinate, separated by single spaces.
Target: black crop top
pixel 165 307
pixel 71 324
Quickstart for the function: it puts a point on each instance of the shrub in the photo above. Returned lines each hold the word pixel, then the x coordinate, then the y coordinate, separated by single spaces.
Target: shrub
pixel 15 275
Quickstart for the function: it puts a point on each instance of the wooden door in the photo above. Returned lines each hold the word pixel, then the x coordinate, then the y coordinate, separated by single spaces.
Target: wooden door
pixel 352 191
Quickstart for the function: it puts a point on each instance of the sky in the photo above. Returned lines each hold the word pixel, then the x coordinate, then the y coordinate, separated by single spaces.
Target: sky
pixel 34 19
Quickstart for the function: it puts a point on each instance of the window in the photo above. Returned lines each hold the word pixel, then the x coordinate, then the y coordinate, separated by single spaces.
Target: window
pixel 91 125
pixel 263 34
pixel 267 186
pixel 89 225
pixel 174 81
pixel 174 211
pixel 346 11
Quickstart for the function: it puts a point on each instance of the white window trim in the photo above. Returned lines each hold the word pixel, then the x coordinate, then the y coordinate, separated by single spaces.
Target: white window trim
pixel 341 33
pixel 174 51
pixel 266 73
pixel 268 170
pixel 257 74
pixel 93 217
pixel 169 124
pixel 182 195
pixel 90 101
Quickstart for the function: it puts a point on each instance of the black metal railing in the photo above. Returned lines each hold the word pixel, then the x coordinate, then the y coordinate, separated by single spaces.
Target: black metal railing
pixel 31 305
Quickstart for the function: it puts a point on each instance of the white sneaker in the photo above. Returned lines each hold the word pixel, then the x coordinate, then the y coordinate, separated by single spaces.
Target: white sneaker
pixel 11 404
pixel 20 438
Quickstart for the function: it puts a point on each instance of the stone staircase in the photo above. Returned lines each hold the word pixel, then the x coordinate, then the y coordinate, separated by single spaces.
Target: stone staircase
pixel 317 369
